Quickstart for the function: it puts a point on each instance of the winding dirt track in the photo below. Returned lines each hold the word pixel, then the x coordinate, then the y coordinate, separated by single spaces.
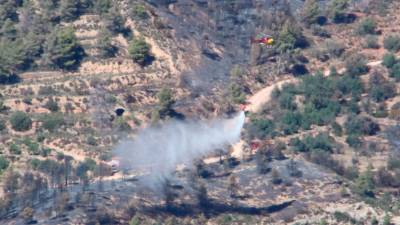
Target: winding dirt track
pixel 255 103
pixel 263 96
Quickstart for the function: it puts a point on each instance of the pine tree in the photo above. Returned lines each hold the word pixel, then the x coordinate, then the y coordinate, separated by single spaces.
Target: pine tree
pixel 105 47
pixel 115 22
pixel 69 10
pixel 8 30
pixel 310 12
pixel 62 49
pixel 139 50
pixel 337 10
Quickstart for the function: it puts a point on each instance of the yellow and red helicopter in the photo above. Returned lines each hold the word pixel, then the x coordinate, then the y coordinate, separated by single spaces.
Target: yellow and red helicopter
pixel 263 39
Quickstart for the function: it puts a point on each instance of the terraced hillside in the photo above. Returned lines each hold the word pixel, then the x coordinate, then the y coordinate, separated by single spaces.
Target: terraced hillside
pixel 320 143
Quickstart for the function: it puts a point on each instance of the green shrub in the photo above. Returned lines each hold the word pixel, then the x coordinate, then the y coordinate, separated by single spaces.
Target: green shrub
pixel 392 43
pixel 389 60
pixel 33 147
pixel 343 217
pixel 354 141
pixel 356 125
pixel 70 10
pixel 236 93
pixel 291 37
pixel 260 128
pixel 15 149
pixel 139 12
pixel 286 101
pixel 311 12
pixel 102 6
pixel 395 71
pixel 52 105
pixel 382 92
pixel 2 125
pixel 364 185
pixel 47 90
pixel 366 26
pixel 356 64
pixel 349 85
pixel 291 122
pixel 165 100
pixel 114 21
pixel 393 163
pixel 139 50
pixel 44 152
pixel 62 49
pixel 371 41
pixel 52 122
pixel 338 10
pixel 104 45
pixel 20 121
pixel 3 163
pixel 334 48
pixel 320 31
pixel 40 137
pixel 320 142
pixel 91 141
pixel 386 220
pixel 337 129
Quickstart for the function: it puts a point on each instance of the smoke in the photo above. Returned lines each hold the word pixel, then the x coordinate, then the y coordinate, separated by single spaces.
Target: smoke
pixel 160 149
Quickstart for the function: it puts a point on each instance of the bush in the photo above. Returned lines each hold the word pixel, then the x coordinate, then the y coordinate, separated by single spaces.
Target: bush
pixel 371 42
pixel 291 122
pixel 2 125
pixel 236 93
pixel 337 129
pixel 337 10
pixel 353 141
pixel 389 60
pixel 3 163
pixel 356 125
pixel 139 51
pixel 395 72
pixel 349 85
pixel 334 48
pixel 311 12
pixel 52 105
pixel 356 64
pixel 91 141
pixel 102 6
pixel 114 21
pixel 366 26
pixel 33 147
pixel 62 49
pixel 46 90
pixel 364 185
pixel 320 31
pixel 52 122
pixel 165 100
pixel 139 12
pixel 291 37
pixel 70 10
pixel 343 217
pixel 104 45
pixel 320 142
pixel 382 92
pixel 392 43
pixel 286 101
pixel 15 149
pixel 20 121
pixel 260 128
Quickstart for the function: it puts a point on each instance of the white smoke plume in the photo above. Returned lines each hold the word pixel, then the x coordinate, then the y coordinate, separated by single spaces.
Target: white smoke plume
pixel 160 149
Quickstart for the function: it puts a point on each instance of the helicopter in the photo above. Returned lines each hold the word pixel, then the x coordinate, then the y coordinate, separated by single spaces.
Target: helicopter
pixel 263 39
